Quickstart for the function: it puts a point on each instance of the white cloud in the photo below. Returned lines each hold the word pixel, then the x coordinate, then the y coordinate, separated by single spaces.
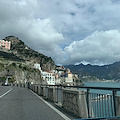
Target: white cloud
pixel 49 26
pixel 37 33
pixel 99 48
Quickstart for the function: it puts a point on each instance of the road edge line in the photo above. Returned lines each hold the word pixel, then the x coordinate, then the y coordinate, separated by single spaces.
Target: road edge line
pixel 52 107
pixel 5 93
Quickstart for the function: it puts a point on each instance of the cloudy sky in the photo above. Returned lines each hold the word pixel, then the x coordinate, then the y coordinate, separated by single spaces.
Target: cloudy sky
pixel 69 31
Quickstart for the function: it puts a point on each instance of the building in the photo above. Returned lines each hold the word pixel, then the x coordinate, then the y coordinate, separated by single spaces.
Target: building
pixel 5 44
pixel 69 78
pixel 48 78
pixel 37 66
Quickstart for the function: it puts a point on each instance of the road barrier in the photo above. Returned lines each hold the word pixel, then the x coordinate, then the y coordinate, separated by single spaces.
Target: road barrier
pixel 81 100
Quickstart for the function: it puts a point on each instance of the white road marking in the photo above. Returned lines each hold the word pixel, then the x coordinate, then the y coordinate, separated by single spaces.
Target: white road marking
pixel 56 110
pixel 5 93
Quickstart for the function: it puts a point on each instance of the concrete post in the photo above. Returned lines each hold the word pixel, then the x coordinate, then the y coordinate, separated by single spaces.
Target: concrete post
pixel 118 105
pixel 45 92
pixel 83 110
pixel 60 96
pixel 115 101
pixel 41 93
pixel 35 89
pixel 39 89
pixel 55 94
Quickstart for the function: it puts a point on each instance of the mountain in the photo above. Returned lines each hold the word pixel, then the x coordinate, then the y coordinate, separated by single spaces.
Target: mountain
pixel 95 72
pixel 23 52
pixel 18 62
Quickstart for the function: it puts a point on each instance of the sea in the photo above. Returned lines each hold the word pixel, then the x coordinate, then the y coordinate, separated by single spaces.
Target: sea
pixel 103 107
pixel 103 84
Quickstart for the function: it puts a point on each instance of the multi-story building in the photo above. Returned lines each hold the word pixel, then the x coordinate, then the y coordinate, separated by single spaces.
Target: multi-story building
pixel 5 44
pixel 48 77
pixel 60 76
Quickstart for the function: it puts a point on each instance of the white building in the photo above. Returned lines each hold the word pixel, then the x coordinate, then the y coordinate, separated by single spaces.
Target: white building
pixel 37 66
pixel 48 77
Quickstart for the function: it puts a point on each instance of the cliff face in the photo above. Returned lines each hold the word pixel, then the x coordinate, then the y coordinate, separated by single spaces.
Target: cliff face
pixel 22 51
pixel 18 72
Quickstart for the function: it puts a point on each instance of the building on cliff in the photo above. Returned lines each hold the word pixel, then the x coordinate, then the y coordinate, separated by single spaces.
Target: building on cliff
pixel 58 76
pixel 5 44
pixel 48 77
pixel 37 66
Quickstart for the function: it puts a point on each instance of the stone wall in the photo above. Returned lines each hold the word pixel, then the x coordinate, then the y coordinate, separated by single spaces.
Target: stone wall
pixel 50 94
pixel 75 102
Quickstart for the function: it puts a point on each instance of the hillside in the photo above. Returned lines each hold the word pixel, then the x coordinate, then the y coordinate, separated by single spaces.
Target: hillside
pixel 18 71
pixel 95 72
pixel 18 62
pixel 10 56
pixel 23 52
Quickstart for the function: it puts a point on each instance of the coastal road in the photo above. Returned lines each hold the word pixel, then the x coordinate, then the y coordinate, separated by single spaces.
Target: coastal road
pixel 18 103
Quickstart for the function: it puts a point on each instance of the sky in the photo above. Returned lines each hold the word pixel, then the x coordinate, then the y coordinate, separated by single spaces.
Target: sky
pixel 68 31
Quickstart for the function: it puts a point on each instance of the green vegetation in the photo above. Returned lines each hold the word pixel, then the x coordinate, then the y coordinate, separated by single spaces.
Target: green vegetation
pixel 11 80
pixel 20 52
pixel 14 64
pixel 2 79
pixel 17 71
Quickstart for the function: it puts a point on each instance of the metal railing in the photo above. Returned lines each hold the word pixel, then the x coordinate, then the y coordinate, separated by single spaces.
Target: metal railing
pixel 98 104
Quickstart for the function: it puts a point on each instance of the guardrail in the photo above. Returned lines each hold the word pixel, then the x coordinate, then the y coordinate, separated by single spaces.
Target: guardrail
pixel 82 101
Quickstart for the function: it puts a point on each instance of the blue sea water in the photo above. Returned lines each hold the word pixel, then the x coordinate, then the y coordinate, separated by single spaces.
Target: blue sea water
pixel 103 84
pixel 103 107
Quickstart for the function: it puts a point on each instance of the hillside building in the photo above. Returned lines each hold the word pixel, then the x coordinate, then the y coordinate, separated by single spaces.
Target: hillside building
pixel 48 78
pixel 37 66
pixel 69 78
pixel 5 44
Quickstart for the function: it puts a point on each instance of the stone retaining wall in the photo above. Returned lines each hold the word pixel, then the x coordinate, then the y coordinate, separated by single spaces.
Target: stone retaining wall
pixel 75 102
pixel 50 94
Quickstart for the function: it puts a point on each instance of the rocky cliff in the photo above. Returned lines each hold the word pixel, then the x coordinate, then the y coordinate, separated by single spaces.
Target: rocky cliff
pixel 19 49
pixel 18 62
pixel 19 72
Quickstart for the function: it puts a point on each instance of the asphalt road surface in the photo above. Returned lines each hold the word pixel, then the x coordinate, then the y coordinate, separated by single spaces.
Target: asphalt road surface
pixel 18 103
